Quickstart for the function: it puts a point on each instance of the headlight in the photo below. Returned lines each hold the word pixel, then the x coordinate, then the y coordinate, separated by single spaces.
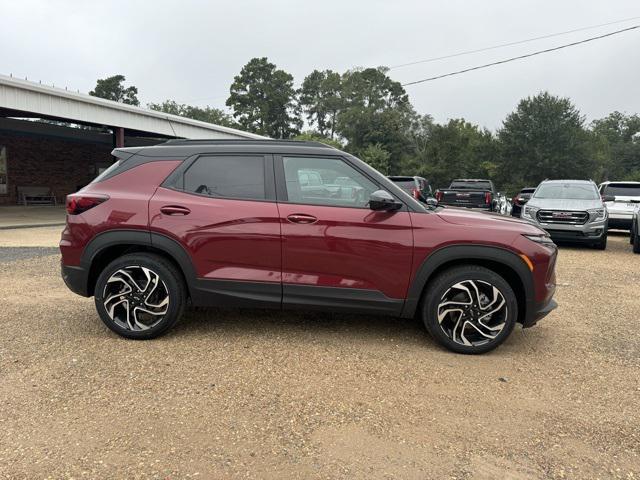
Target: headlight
pixel 530 212
pixel 597 214
pixel 541 239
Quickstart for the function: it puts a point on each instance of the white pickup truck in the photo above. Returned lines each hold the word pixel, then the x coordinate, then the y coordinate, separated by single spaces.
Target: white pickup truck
pixel 627 198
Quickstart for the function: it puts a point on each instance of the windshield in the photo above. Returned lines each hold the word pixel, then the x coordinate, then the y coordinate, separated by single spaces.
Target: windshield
pixel 567 191
pixel 623 190
pixel 470 185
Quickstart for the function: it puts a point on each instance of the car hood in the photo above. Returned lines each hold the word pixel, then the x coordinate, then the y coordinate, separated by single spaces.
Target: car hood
pixel 472 218
pixel 564 204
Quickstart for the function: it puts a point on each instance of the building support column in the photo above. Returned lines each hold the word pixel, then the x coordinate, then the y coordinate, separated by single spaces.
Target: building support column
pixel 118 137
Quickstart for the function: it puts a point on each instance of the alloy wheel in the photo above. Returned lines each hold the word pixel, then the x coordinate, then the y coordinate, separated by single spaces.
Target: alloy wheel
pixel 472 312
pixel 135 298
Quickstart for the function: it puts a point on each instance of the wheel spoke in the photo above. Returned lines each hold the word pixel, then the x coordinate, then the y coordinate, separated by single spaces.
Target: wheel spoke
pixel 135 298
pixel 472 312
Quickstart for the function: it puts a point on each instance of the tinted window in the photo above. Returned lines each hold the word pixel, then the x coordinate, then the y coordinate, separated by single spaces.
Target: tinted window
pixel 623 189
pixel 228 177
pixel 107 172
pixel 326 181
pixel 567 191
pixel 405 184
pixel 528 190
pixel 466 185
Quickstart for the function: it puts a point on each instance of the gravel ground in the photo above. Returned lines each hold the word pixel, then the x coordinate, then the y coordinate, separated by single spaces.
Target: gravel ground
pixel 253 394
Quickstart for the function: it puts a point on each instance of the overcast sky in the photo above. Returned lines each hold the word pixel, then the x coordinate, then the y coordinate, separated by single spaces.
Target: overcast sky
pixel 190 50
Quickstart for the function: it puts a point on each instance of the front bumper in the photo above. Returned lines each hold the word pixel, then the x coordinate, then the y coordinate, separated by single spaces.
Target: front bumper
pixel 622 220
pixel 76 278
pixel 588 233
pixel 537 311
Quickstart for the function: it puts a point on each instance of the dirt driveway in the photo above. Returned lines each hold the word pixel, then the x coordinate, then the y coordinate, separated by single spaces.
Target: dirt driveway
pixel 253 394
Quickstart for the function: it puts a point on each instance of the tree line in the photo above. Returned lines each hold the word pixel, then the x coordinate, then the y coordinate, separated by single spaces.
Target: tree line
pixel 368 114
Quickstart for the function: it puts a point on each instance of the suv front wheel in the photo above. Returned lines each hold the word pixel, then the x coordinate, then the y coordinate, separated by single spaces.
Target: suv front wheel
pixel 140 295
pixel 469 309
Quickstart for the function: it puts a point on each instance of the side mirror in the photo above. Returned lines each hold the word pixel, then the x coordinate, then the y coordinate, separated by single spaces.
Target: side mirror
pixel 609 198
pixel 383 200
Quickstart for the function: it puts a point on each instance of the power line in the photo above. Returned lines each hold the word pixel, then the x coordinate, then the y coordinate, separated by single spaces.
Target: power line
pixel 539 52
pixel 518 42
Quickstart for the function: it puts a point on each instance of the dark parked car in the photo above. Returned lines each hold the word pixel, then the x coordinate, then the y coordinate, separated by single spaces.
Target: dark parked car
pixel 228 223
pixel 417 187
pixel 470 193
pixel 520 200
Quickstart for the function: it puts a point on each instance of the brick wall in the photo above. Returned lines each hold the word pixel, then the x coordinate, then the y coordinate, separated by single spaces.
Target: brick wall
pixel 47 161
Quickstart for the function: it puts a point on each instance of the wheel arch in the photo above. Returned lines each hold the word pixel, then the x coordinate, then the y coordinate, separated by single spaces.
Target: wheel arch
pixel 108 246
pixel 504 262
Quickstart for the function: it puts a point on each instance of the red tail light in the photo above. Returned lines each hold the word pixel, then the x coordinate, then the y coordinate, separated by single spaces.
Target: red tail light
pixel 439 195
pixel 514 200
pixel 78 203
pixel 416 193
pixel 487 198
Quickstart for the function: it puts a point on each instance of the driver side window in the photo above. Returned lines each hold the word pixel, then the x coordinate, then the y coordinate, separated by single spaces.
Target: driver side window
pixel 326 181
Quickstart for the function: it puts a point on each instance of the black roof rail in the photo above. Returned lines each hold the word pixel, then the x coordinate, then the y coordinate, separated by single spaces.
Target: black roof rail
pixel 242 141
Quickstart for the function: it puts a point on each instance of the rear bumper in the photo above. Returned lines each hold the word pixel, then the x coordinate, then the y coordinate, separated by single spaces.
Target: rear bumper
pixel 537 311
pixel 75 278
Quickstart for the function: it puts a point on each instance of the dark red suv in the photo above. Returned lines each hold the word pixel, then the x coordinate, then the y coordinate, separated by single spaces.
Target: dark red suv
pixel 294 225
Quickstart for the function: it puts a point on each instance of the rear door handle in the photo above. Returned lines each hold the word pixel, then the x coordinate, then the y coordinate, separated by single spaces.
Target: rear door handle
pixel 301 218
pixel 175 210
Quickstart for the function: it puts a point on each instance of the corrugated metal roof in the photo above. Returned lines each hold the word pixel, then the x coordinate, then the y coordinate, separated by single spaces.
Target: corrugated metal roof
pixel 31 97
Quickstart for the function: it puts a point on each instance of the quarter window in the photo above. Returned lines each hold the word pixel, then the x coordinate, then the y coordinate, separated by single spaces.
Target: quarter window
pixel 326 181
pixel 227 177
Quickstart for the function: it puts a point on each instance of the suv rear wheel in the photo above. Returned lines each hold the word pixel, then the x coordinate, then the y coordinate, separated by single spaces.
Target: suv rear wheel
pixel 469 309
pixel 636 242
pixel 140 295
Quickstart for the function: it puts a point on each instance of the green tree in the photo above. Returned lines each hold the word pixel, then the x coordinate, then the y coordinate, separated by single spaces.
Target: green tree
pixel 456 149
pixel 545 138
pixel 376 156
pixel 320 100
pixel 616 142
pixel 204 114
pixel 112 88
pixel 311 136
pixel 264 101
pixel 375 110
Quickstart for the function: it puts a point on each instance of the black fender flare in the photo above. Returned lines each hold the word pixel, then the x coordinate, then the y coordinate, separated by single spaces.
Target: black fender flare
pixel 155 240
pixel 455 253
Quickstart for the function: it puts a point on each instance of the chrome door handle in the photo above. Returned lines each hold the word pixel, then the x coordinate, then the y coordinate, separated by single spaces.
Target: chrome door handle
pixel 175 210
pixel 302 218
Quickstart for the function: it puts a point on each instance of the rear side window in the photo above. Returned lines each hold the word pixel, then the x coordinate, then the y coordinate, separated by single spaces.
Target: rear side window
pixel 227 177
pixel 105 173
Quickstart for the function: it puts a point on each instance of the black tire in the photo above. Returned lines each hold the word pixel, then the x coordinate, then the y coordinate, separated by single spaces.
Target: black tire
pixel 444 284
pixel 636 243
pixel 170 284
pixel 633 234
pixel 602 243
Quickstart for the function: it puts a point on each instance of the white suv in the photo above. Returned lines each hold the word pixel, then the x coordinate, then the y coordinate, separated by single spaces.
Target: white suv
pixel 627 198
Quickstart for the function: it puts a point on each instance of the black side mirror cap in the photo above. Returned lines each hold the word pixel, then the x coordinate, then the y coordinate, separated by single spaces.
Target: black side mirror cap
pixel 381 200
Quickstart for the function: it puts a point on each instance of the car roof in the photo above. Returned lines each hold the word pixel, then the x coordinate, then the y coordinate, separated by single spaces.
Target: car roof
pixel 577 182
pixel 620 182
pixel 181 148
pixel 401 178
pixel 470 180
